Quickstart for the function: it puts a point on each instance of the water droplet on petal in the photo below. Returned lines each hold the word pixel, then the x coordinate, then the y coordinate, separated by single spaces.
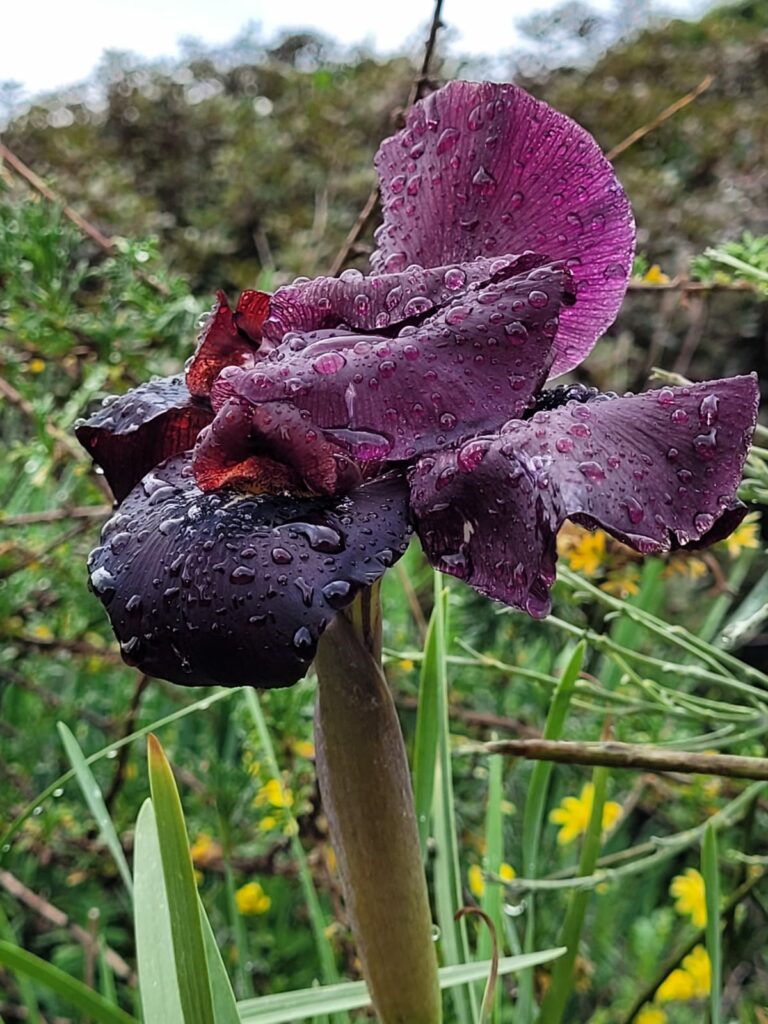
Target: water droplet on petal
pixel 635 510
pixel 447 140
pixel 484 182
pixel 592 471
pixel 329 362
pixel 454 278
pixel 703 522
pixel 708 410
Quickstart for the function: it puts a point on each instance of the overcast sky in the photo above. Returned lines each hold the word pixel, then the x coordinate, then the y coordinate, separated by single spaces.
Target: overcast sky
pixel 52 43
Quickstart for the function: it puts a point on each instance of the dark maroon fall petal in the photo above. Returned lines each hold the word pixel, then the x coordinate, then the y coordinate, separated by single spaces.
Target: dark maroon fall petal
pixel 270 448
pixel 384 301
pixel 229 338
pixel 465 369
pixel 133 432
pixel 654 470
pixel 231 589
pixel 482 169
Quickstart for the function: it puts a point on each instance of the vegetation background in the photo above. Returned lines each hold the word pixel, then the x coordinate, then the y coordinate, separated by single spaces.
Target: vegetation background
pixel 247 165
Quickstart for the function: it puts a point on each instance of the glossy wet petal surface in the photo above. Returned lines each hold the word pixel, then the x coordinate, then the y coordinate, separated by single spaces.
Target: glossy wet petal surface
pixel 485 169
pixel 230 589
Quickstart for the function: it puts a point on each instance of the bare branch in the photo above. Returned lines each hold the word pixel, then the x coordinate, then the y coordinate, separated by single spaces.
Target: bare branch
pixel 670 111
pixel 630 755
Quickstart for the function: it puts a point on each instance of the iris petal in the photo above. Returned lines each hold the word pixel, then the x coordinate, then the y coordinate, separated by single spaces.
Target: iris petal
pixel 133 432
pixel 234 589
pixel 229 338
pixel 384 301
pixel 486 169
pixel 654 470
pixel 465 369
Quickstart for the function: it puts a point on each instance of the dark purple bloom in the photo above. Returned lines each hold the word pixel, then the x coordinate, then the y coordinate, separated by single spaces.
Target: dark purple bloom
pixel 318 426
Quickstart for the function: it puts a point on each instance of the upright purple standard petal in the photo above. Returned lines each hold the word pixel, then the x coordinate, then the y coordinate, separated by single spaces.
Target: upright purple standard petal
pixel 133 432
pixel 467 368
pixel 653 470
pixel 485 169
pixel 227 588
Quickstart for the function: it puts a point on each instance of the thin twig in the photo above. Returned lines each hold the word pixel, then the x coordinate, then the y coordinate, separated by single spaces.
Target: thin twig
pixel 416 92
pixel 670 111
pixel 129 726
pixel 631 755
pixel 37 183
pixel 54 515
pixel 685 284
pixel 53 915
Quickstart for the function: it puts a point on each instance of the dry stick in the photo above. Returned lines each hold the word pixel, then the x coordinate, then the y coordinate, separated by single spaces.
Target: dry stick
pixel 54 515
pixel 40 186
pixel 612 754
pixel 129 725
pixel 106 244
pixel 416 90
pixel 56 917
pixel 684 284
pixel 672 109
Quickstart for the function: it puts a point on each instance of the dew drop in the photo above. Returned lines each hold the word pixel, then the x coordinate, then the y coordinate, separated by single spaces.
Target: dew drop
pixel 538 299
pixel 708 410
pixel 329 362
pixel 447 140
pixel 635 510
pixel 592 471
pixel 679 416
pixel 703 522
pixel 454 278
pixel 302 641
pixel 484 182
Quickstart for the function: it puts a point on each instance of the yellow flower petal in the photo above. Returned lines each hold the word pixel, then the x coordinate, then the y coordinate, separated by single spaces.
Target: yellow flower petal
pixel 651 1015
pixel 699 970
pixel 476 881
pixel 678 985
pixel 251 899
pixel 689 895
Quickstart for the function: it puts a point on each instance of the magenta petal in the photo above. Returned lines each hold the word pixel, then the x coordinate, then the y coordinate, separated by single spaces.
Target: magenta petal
pixel 232 589
pixel 228 338
pixel 383 301
pixel 466 369
pixel 485 169
pixel 133 432
pixel 654 470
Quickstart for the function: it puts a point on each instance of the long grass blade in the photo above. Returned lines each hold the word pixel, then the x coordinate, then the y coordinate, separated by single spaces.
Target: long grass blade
pixel 427 734
pixel 95 801
pixel 158 984
pixel 533 815
pixel 186 926
pixel 75 993
pixel 306 1003
pixel 447 871
pixel 711 874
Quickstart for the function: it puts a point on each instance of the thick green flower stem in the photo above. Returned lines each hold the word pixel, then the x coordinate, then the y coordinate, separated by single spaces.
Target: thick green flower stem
pixel 366 791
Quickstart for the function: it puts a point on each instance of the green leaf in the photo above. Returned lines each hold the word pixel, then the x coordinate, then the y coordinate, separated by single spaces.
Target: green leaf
pixel 427 735
pixel 92 794
pixel 533 815
pixel 447 870
pixel 711 875
pixel 183 905
pixel 89 1003
pixel 224 1005
pixel 158 985
pixel 311 1002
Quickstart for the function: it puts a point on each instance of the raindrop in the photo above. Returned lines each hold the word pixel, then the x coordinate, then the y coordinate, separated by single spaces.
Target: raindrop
pixel 484 182
pixel 706 444
pixel 329 362
pixel 593 471
pixel 337 593
pixel 457 315
pixel 703 522
pixel 455 278
pixel 435 932
pixel 302 641
pixel 242 574
pixel 320 538
pixel 517 332
pixel 516 200
pixel 708 410
pixel 306 590
pixel 475 119
pixel 418 304
pixel 280 556
pixel 447 140
pixel 538 299
pixel 635 510
pixel 564 444
pixel 679 416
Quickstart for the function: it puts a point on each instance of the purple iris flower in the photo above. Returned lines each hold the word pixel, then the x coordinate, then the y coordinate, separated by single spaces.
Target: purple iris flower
pixel 319 426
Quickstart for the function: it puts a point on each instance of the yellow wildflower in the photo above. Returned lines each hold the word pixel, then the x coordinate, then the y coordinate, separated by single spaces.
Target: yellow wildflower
pixel 689 895
pixel 678 985
pixel 655 275
pixel 476 881
pixel 686 565
pixel 476 878
pixel 251 899
pixel 303 748
pixel 36 365
pixel 274 793
pixel 42 632
pixel 585 552
pixel 699 970
pixel 406 665
pixel 744 536
pixel 624 582
pixel 651 1015
pixel 204 850
pixel 574 813
pixel 267 823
